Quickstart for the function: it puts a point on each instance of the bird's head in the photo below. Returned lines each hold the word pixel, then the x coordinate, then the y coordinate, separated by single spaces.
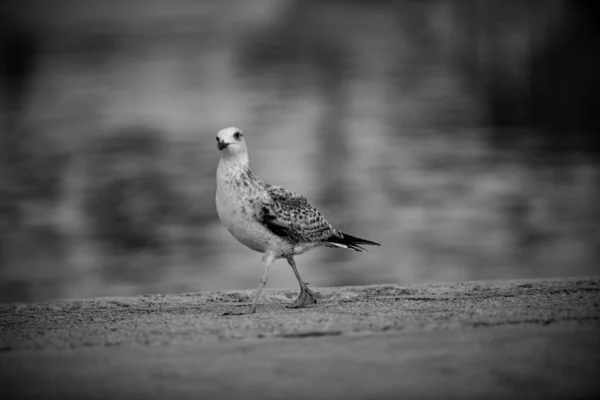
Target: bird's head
pixel 230 142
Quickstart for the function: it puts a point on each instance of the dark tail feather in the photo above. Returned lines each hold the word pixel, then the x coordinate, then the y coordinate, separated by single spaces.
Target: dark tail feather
pixel 350 242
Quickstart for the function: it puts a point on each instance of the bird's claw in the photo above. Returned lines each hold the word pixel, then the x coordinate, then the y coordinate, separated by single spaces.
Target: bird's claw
pixel 305 298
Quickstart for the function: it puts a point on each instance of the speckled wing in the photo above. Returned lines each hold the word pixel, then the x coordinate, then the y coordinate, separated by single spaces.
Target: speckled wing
pixel 291 216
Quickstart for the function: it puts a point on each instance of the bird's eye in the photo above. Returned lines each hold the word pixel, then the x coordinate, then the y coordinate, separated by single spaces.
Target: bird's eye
pixel 217 138
pixel 237 135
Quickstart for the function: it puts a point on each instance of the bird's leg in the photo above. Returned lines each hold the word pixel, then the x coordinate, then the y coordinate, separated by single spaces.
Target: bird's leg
pixel 306 296
pixel 268 259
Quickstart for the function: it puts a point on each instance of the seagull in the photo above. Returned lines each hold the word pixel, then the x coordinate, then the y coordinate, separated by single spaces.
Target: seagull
pixel 270 219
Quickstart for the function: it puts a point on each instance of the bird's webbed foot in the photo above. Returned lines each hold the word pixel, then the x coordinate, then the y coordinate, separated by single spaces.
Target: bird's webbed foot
pixel 305 298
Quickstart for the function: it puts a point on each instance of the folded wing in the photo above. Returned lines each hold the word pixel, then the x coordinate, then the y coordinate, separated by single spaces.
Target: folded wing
pixel 291 216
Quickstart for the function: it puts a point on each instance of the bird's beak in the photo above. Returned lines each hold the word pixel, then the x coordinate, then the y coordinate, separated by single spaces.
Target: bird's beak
pixel 222 145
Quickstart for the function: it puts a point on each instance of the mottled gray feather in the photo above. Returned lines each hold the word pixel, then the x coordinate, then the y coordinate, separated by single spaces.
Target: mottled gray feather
pixel 291 216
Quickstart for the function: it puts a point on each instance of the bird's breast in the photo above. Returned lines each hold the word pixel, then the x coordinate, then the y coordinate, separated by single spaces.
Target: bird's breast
pixel 232 206
pixel 236 203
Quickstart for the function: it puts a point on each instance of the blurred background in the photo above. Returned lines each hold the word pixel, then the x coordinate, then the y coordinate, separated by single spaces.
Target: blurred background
pixel 459 134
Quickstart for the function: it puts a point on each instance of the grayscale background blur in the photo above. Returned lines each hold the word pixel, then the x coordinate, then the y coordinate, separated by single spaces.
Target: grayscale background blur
pixel 459 134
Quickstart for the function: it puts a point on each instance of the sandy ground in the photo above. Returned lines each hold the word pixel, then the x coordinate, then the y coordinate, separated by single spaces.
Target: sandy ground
pixel 489 339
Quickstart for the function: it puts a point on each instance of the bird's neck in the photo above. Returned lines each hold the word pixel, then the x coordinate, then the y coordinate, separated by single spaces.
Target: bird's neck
pixel 234 165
